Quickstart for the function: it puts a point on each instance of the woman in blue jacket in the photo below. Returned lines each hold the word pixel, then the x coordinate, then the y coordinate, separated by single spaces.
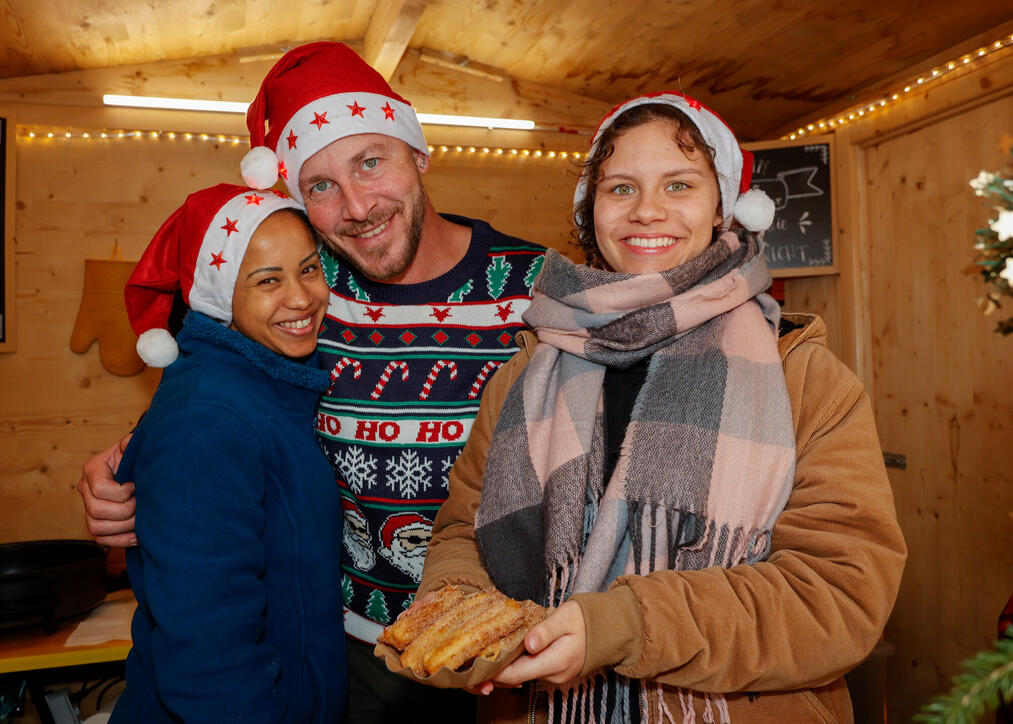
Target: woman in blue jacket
pixel 238 517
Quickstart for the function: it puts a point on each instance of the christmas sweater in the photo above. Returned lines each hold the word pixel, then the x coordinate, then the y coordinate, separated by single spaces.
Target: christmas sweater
pixel 408 363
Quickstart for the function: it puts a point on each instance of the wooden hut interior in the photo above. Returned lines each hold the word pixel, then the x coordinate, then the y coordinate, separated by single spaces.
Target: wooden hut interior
pixel 914 98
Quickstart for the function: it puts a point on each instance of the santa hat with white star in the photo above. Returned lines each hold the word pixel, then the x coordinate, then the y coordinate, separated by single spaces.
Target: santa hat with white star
pixel 314 95
pixel 197 252
pixel 750 207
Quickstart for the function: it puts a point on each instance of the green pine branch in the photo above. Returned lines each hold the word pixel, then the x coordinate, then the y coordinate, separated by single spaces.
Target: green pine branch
pixel 987 676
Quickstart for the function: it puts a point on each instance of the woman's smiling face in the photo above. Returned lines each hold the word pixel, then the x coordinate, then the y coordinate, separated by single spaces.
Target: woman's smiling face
pixel 281 296
pixel 655 206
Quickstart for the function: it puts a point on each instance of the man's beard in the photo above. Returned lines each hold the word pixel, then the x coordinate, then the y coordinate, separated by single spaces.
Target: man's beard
pixel 385 269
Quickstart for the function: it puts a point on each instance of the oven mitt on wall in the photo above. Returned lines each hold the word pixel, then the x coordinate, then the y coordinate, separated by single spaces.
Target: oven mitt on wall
pixel 103 316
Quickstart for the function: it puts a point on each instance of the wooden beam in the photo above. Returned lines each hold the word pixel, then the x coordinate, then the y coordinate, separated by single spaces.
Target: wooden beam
pixel 391 27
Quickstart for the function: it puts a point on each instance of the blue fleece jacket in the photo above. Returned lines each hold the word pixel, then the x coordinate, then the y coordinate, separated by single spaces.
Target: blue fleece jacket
pixel 239 528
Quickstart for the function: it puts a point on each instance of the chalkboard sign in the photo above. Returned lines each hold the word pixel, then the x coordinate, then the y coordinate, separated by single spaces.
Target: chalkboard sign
pixel 7 126
pixel 798 175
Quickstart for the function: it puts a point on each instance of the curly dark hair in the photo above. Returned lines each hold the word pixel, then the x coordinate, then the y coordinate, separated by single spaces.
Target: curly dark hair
pixel 685 134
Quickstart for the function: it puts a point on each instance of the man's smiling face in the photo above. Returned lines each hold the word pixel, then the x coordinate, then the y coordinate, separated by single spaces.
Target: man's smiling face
pixel 364 196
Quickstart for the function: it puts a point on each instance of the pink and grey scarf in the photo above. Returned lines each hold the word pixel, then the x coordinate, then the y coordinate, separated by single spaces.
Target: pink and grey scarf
pixel 708 457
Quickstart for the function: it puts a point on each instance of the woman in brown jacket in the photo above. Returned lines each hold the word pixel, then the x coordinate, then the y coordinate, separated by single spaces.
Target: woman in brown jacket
pixel 701 500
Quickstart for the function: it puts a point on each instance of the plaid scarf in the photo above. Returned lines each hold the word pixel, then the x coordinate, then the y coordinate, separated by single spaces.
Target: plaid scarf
pixel 707 461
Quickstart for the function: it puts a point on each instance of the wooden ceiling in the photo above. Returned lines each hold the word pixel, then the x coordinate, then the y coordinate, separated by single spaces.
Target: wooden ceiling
pixel 763 64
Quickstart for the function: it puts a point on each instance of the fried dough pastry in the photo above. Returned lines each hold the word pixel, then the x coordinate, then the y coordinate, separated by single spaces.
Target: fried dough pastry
pixel 532 614
pixel 453 629
pixel 410 624
pixel 503 617
pixel 445 627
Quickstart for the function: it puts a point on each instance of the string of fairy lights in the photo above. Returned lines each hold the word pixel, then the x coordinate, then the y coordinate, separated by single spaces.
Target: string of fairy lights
pixel 67 134
pixel 917 85
pixel 855 113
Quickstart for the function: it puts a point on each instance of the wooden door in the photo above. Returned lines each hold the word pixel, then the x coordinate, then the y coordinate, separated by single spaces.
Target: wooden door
pixel 943 394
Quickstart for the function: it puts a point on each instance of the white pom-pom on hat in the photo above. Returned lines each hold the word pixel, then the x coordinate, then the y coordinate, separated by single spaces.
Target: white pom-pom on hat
pixel 157 348
pixel 754 210
pixel 259 168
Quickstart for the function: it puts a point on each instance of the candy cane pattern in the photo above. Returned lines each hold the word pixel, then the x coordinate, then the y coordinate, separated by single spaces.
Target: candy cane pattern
pixel 427 386
pixel 341 365
pixel 385 377
pixel 476 388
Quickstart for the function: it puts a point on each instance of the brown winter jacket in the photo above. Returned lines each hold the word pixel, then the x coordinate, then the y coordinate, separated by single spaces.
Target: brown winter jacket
pixel 775 637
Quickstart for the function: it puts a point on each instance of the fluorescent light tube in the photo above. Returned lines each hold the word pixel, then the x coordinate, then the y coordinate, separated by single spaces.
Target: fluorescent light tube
pixel 185 104
pixel 175 104
pixel 476 121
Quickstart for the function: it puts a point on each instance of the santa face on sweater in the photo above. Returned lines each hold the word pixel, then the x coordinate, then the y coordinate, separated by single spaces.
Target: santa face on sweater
pixel 355 537
pixel 280 296
pixel 405 538
pixel 364 196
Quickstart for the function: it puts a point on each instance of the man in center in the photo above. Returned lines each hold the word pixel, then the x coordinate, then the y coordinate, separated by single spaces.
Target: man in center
pixel 422 308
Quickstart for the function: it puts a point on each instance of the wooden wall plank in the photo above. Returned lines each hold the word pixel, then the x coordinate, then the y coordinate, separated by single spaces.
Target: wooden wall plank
pixel 935 370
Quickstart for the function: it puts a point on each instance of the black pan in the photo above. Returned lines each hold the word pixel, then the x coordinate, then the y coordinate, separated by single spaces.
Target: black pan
pixel 43 582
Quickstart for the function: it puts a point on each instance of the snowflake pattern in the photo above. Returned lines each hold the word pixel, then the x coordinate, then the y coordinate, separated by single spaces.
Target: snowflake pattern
pixel 410 472
pixel 357 467
pixel 446 464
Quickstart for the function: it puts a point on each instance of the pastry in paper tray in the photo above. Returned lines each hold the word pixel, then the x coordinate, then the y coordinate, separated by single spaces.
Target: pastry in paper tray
pixel 457 639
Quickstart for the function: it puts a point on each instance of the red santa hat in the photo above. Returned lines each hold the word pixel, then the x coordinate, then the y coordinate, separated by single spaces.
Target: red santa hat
pixel 750 207
pixel 197 251
pixel 314 95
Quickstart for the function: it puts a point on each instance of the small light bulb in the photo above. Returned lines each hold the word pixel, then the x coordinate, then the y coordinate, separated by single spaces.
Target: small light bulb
pixel 67 134
pixel 499 151
pixel 896 96
pixel 50 135
pixel 188 136
pixel 220 138
pixel 861 113
pixel 832 122
pixel 458 148
pixel 552 154
pixel 431 149
pixel 851 116
pixel 485 149
pixel 204 136
pixel 934 72
pixel 513 151
pixel 981 52
pixel 920 81
pixel 810 127
pixel 443 149
pixel 907 89
pixel 471 149
pixel 951 65
pixel 882 103
pixel 235 141
pixel 792 137
pixel 172 135
pixel 525 152
pixel 121 134
pixel 85 135
pixel 967 60
pixel 563 154
pixel 822 124
pixel 154 134
pixel 538 154
pixel 998 44
pixel 576 155
pixel 31 134
pixel 104 134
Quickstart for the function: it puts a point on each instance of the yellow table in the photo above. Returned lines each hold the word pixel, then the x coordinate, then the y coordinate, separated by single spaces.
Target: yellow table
pixel 35 649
